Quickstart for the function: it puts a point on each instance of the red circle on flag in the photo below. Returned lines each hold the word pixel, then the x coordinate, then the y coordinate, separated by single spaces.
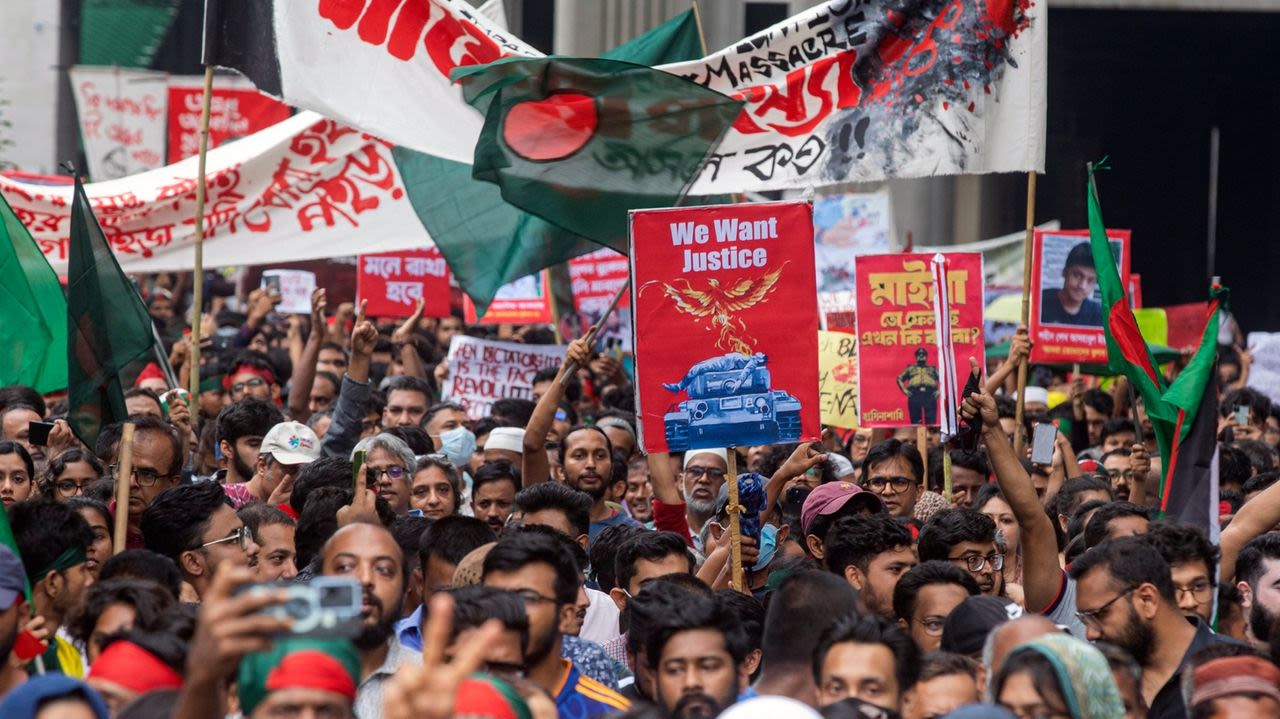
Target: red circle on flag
pixel 550 129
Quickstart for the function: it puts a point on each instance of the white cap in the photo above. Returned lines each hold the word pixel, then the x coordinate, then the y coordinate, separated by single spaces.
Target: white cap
pixel 508 438
pixel 1036 394
pixel 717 451
pixel 291 443
pixel 769 707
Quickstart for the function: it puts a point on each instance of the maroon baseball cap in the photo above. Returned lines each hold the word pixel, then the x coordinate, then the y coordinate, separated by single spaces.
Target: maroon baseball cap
pixel 831 497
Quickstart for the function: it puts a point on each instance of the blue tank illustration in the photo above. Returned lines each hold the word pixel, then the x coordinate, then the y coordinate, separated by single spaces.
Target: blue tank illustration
pixel 731 403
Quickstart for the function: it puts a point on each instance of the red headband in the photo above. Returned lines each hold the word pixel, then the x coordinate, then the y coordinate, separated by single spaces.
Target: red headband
pixel 247 369
pixel 134 668
pixel 312 669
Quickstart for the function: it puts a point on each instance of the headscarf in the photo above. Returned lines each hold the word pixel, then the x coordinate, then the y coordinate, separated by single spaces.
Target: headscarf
pixel 327 664
pixel 1088 687
pixel 25 701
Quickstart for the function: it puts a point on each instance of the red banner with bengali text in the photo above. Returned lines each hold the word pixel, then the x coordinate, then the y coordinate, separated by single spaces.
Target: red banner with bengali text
pixel 898 382
pixel 236 110
pixel 393 282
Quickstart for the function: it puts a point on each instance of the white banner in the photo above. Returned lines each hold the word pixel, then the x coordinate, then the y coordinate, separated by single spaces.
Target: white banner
pixel 351 61
pixel 482 371
pixel 863 91
pixel 843 92
pixel 122 119
pixel 306 188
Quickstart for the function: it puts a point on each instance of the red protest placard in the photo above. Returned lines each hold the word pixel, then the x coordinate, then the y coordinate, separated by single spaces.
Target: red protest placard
pixel 595 279
pixel 897 344
pixel 1066 304
pixel 525 301
pixel 393 282
pixel 236 109
pixel 726 321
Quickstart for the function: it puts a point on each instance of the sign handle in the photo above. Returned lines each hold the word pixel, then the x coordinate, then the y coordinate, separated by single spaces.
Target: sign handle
pixel 735 523
pixel 572 368
pixel 123 477
pixel 922 446
pixel 1019 433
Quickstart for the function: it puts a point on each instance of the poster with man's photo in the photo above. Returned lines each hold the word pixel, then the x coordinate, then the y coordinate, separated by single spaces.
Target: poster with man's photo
pixel 1066 304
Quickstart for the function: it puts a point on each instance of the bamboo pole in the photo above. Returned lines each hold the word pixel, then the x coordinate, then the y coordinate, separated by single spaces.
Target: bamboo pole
pixel 124 475
pixel 735 521
pixel 1019 433
pixel 922 446
pixel 197 280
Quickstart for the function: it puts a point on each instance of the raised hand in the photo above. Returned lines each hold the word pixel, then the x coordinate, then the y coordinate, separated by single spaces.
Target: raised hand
pixel 430 690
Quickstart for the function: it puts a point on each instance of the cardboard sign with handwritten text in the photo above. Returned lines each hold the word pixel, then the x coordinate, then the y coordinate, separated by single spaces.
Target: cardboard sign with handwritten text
pixel 898 383
pixel 838 378
pixel 482 372
pixel 726 324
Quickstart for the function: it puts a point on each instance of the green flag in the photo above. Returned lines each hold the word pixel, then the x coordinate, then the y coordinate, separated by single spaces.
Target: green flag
pixel 580 141
pixel 489 242
pixel 1172 408
pixel 107 326
pixel 33 329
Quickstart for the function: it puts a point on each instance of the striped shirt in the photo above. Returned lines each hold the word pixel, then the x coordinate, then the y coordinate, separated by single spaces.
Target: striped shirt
pixel 581 697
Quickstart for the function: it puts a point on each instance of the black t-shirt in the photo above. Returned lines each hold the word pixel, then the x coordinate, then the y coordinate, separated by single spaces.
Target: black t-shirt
pixel 1052 313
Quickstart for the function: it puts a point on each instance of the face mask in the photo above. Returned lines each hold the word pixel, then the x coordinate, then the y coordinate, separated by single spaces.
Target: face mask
pixel 768 546
pixel 458 444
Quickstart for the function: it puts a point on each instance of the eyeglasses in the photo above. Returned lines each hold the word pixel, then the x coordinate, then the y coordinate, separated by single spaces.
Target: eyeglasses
pixel 240 535
pixel 697 472
pixel 976 562
pixel 1199 591
pixel 394 472
pixel 255 383
pixel 145 477
pixel 1117 474
pixel 531 596
pixel 899 484
pixel 1093 617
pixel 68 488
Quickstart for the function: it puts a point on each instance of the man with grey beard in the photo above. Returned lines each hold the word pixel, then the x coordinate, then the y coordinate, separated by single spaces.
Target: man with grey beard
pixel 700 482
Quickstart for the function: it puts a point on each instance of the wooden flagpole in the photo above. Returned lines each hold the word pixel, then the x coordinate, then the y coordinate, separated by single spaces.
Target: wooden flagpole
pixel 197 284
pixel 124 475
pixel 735 521
pixel 1019 433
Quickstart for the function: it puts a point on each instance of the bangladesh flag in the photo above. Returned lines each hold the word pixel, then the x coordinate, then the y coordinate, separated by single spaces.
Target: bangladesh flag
pixel 1183 420
pixel 489 242
pixel 580 141
pixel 33 329
pixel 107 326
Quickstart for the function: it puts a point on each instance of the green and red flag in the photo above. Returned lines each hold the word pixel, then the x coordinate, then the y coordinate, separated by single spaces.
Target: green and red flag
pixel 33 330
pixel 107 326
pixel 580 141
pixel 1179 416
pixel 487 241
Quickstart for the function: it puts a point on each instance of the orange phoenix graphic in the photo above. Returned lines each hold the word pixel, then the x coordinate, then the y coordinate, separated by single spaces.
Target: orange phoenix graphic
pixel 717 305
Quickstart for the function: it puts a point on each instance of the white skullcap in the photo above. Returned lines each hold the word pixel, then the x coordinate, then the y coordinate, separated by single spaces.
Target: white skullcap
pixel 508 438
pixel 717 451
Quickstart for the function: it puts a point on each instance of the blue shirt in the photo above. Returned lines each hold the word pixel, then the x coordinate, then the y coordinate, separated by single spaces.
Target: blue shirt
pixel 587 656
pixel 581 697
pixel 617 518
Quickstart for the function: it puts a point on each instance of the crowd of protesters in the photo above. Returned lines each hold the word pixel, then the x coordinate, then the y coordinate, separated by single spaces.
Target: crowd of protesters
pixel 536 562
